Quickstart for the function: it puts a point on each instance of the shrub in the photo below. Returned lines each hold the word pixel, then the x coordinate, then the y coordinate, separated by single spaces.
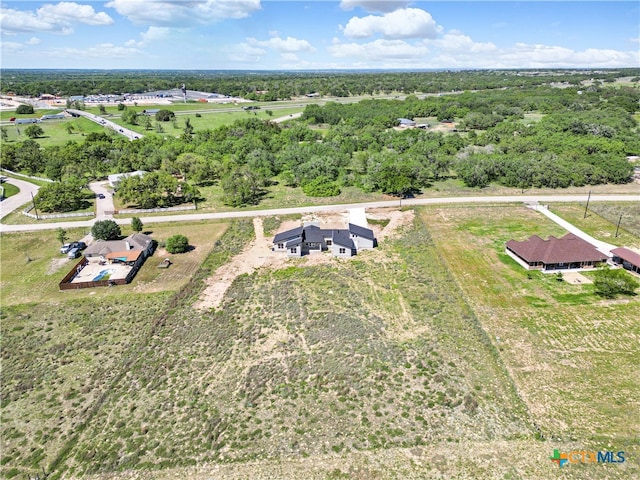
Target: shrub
pixel 177 244
pixel 610 283
pixel 136 224
pixel 164 115
pixel 321 187
pixel 24 109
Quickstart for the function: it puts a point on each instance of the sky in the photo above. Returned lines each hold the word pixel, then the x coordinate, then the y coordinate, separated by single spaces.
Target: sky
pixel 320 34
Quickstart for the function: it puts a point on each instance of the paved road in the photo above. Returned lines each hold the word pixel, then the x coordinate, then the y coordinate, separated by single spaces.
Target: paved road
pixel 130 134
pixel 105 204
pixel 324 208
pixel 19 199
pixel 287 117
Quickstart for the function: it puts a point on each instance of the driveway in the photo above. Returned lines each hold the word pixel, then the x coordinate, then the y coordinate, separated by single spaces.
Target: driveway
pixel 19 199
pixel 103 205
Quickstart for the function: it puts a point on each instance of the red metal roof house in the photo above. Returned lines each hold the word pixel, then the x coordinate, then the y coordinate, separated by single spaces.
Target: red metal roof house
pixel 563 253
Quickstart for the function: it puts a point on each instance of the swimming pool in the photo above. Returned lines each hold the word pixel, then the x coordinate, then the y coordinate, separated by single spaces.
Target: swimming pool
pixel 103 275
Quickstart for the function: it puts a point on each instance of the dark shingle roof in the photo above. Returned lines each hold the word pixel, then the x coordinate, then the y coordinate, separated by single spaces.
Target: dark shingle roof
pixel 627 255
pixel 293 242
pixel 567 249
pixel 283 236
pixel 361 231
pixel 341 238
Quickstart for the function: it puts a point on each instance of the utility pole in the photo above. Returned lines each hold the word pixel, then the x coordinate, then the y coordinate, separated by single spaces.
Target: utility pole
pixel 34 206
pixel 587 206
pixel 618 227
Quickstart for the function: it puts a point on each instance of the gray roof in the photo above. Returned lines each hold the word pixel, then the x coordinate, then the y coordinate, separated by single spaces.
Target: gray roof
pixel 341 238
pixel 289 234
pixel 293 242
pixel 361 231
pixel 136 241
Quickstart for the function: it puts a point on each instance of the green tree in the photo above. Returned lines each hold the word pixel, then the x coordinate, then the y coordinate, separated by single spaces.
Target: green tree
pixel 136 224
pixel 34 131
pixel 152 190
pixel 60 197
pixel 240 187
pixel 146 122
pixel 24 109
pixel 130 117
pixel 70 128
pixel 102 109
pixel 177 244
pixel 61 235
pixel 105 230
pixel 610 283
pixel 4 134
pixel 121 106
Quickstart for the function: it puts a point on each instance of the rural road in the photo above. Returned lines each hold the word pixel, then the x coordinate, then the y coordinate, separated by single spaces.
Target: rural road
pixel 19 199
pixel 323 208
pixel 130 134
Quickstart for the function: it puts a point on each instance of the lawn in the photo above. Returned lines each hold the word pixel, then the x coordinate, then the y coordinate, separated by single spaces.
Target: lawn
pixel 572 355
pixel 32 265
pixel 433 356
pixel 8 190
pixel 55 131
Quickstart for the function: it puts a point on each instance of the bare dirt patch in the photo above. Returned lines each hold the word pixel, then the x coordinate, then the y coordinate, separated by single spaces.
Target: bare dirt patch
pixel 576 278
pixel 57 264
pixel 258 254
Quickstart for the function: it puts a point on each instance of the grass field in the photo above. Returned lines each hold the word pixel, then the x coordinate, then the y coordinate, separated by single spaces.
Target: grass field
pixel 32 265
pixel 433 356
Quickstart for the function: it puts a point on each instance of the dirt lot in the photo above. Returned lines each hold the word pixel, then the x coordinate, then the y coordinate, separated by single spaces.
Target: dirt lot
pixel 258 253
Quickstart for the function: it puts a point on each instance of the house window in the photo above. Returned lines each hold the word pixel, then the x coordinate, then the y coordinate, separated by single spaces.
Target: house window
pixel 294 250
pixel 281 246
pixel 329 243
pixel 343 251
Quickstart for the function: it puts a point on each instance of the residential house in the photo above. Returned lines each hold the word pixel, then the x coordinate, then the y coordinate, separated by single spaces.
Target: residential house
pixel 114 180
pixel 629 259
pixel 568 252
pixel 406 123
pixel 132 251
pixel 311 238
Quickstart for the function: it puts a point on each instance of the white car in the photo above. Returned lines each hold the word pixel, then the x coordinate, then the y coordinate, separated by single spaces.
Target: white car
pixel 65 248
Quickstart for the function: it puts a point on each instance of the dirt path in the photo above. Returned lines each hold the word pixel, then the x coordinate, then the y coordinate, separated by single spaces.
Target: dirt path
pixel 254 256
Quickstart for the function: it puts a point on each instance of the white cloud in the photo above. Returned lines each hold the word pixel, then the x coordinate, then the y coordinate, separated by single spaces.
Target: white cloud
pixel 375 6
pixel 634 39
pixel 34 41
pixel 404 23
pixel 55 18
pixel 245 53
pixel 181 14
pixel 289 44
pixel 152 35
pixel 105 50
pixel 457 42
pixel 12 48
pixel 379 50
pixel 289 57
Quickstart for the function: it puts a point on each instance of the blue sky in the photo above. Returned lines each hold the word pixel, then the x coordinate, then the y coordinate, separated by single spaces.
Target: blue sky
pixel 347 34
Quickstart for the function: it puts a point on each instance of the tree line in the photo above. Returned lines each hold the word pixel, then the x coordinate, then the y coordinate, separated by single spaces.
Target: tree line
pixel 582 140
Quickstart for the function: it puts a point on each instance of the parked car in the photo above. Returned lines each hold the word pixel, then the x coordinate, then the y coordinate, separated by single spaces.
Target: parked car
pixel 73 253
pixel 100 196
pixel 79 245
pixel 65 248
